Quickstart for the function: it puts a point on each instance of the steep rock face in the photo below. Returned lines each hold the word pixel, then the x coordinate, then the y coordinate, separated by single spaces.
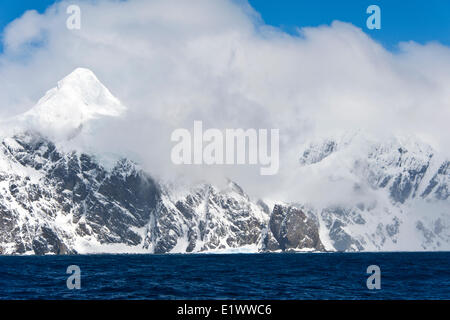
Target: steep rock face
pixel 66 203
pixel 400 195
pixel 292 229
pixel 368 194
pixel 438 187
pixel 206 218
pixel 70 196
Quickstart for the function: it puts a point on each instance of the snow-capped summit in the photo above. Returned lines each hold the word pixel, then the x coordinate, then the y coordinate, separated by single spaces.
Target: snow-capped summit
pixel 77 99
pixel 353 191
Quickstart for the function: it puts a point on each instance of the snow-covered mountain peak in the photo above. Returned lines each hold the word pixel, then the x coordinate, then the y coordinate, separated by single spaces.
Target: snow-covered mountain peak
pixel 77 99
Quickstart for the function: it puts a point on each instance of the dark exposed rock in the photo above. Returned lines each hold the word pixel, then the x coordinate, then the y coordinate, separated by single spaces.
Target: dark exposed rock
pixel 57 200
pixel 122 205
pixel 436 187
pixel 293 229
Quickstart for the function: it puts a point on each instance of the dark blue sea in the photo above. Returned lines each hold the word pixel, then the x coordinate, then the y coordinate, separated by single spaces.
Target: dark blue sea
pixel 228 276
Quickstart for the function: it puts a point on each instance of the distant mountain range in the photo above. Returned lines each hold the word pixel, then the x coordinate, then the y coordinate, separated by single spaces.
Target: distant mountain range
pixel 59 201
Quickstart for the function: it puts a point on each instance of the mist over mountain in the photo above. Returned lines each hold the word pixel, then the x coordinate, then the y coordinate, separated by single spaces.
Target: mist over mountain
pixel 353 191
pixel 219 62
pixel 85 167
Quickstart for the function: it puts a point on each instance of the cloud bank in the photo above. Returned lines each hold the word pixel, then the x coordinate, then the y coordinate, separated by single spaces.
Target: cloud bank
pixel 173 62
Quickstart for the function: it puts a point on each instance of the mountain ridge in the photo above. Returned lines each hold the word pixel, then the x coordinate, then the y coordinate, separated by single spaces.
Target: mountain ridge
pixel 57 201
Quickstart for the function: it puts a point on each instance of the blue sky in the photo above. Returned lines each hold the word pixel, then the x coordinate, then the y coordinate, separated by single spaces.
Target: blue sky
pixel 9 10
pixel 417 20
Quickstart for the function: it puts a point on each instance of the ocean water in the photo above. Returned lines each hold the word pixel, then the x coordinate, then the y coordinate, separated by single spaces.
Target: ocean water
pixel 228 276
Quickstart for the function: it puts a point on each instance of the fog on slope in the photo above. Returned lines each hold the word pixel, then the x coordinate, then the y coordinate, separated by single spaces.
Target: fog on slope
pixel 173 62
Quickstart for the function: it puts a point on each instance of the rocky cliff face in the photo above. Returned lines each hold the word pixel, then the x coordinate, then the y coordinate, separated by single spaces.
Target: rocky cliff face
pixel 290 228
pixel 66 203
pixel 373 194
pixel 399 188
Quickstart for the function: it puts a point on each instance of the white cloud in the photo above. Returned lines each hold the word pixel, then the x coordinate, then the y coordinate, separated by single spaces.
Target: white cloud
pixel 173 62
